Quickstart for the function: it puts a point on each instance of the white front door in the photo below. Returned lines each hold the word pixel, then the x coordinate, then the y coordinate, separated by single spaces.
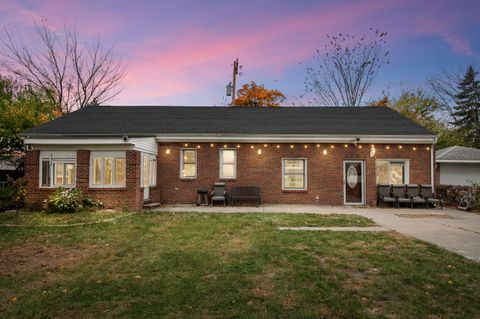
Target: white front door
pixel 148 174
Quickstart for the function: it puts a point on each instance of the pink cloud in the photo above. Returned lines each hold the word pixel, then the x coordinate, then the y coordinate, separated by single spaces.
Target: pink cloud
pixel 194 57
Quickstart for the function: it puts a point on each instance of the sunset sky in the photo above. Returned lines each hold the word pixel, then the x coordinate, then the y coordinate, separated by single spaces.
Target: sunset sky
pixel 180 52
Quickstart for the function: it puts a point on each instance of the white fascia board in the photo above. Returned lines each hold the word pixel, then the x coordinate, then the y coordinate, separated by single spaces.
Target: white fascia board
pixel 76 141
pixel 280 138
pixel 459 161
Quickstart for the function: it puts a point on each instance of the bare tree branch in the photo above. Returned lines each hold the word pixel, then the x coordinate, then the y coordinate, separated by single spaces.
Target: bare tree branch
pixel 346 69
pixel 77 74
pixel 444 87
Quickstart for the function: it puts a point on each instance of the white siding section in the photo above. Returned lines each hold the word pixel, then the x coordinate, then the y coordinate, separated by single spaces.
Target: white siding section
pixel 145 144
pixel 459 174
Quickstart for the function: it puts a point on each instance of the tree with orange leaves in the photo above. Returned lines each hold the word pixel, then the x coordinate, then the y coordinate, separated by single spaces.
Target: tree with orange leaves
pixel 384 101
pixel 253 94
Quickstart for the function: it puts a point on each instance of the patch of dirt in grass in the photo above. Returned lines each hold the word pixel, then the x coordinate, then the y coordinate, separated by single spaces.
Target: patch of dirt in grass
pixel 263 285
pixel 442 216
pixel 290 300
pixel 360 279
pixel 233 244
pixel 33 257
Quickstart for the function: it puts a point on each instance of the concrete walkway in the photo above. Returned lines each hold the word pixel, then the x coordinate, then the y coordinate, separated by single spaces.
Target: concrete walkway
pixel 348 229
pixel 456 231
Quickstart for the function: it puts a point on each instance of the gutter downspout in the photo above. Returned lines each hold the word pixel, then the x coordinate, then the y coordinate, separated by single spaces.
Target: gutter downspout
pixel 432 167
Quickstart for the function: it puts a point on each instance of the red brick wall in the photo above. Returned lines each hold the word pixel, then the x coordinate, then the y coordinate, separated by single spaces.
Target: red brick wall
pixel 130 197
pixel 324 172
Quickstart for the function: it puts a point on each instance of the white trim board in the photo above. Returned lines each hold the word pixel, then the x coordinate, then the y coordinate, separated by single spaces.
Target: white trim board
pixel 459 161
pixel 285 138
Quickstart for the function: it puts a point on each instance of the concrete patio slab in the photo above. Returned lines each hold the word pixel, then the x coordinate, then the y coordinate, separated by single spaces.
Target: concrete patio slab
pixel 454 230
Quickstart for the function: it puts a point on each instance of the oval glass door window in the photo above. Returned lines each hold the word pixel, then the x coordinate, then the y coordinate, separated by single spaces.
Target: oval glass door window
pixel 352 176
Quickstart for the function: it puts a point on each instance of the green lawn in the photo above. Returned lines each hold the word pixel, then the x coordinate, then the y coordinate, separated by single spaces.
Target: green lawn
pixel 43 218
pixel 229 265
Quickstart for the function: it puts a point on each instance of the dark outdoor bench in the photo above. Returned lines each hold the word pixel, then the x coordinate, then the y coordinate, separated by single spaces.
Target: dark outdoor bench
pixel 245 193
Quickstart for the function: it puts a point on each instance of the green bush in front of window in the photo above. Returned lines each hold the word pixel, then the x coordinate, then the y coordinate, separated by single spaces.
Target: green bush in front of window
pixel 69 201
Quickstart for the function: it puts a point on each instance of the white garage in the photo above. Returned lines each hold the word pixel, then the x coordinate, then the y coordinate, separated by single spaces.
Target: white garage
pixel 458 165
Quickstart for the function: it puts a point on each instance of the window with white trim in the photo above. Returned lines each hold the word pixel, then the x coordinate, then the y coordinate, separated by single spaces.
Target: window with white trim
pixel 228 163
pixel 391 171
pixel 57 169
pixel 107 169
pixel 294 174
pixel 188 163
pixel 149 171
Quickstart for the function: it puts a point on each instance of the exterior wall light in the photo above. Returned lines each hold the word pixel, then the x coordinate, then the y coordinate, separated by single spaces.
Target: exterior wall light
pixel 318 145
pixel 167 151
pixel 346 145
pixel 265 145
pixel 238 145
pixel 211 145
pixel 372 151
pixel 414 148
pixel 225 146
pixel 278 146
pixel 400 146
pixel 186 145
pixel 325 152
pixel 251 146
pixel 388 147
pixel 291 146
pixel 198 146
pixel 259 151
pixel 332 146
pixel 428 148
pixel 306 146
pixel 359 146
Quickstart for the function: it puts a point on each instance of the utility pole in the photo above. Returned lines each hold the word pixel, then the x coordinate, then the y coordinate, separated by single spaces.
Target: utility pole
pixel 234 80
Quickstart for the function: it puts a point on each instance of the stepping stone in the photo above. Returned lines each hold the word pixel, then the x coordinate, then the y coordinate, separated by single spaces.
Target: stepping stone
pixel 151 205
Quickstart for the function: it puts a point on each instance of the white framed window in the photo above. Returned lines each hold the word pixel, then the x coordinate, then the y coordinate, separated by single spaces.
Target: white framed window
pixel 57 169
pixel 228 164
pixel 149 170
pixel 294 173
pixel 188 163
pixel 108 169
pixel 391 171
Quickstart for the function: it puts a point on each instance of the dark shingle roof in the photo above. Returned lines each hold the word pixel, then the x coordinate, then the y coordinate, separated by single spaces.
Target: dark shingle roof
pixel 458 153
pixel 150 120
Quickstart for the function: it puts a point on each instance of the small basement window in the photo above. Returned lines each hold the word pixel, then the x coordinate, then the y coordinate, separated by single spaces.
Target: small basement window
pixel 294 174
pixel 107 169
pixel 391 171
pixel 57 169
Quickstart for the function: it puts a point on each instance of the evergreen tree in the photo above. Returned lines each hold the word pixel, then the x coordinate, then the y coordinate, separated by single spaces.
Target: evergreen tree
pixel 467 108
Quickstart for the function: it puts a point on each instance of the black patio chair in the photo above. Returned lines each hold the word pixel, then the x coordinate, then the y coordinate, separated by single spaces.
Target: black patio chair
pixel 219 193
pixel 413 191
pixel 385 195
pixel 399 191
pixel 430 197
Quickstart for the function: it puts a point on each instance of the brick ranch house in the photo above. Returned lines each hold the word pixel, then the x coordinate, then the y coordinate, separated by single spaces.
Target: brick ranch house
pixel 123 155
